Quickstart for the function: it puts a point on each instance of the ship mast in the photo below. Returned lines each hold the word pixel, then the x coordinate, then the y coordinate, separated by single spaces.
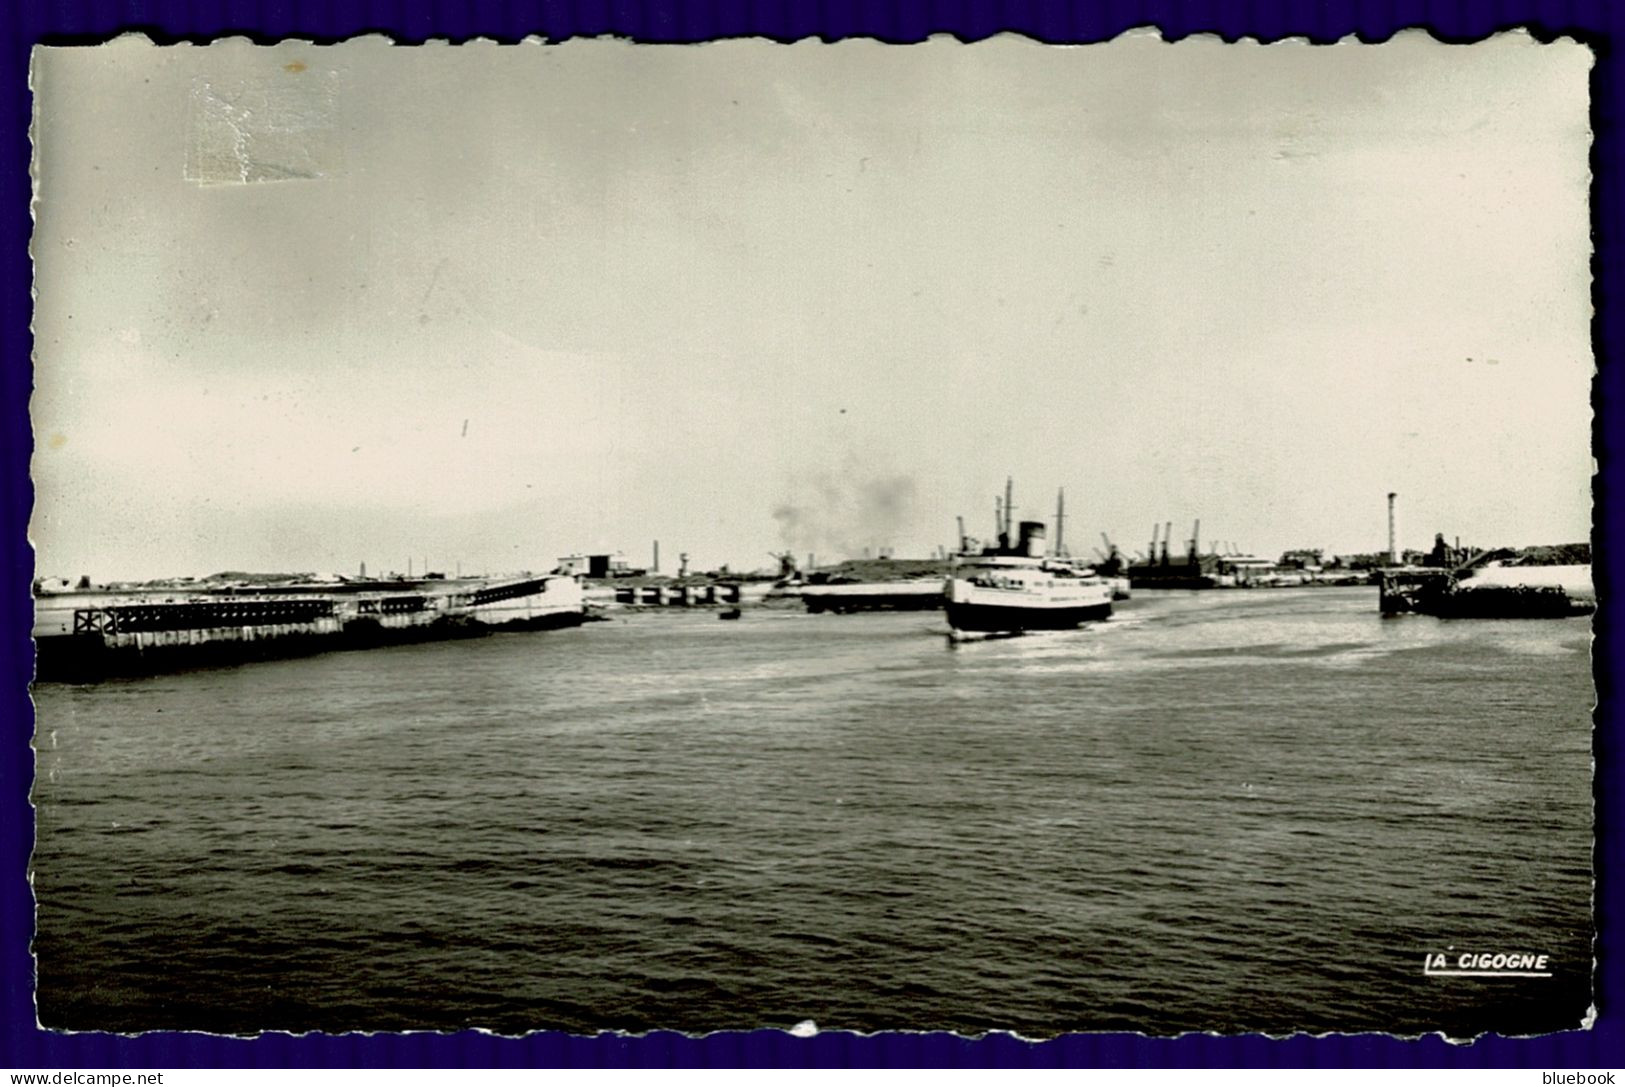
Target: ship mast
pixel 1009 507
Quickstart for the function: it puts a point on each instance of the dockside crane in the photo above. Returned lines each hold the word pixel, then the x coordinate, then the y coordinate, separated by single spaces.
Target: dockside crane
pixel 786 561
pixel 1113 559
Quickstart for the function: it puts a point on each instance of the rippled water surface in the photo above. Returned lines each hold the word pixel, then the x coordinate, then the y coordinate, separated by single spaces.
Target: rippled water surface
pixel 1222 811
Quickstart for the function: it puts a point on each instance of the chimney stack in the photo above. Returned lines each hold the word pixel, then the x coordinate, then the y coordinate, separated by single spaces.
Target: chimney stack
pixel 1393 549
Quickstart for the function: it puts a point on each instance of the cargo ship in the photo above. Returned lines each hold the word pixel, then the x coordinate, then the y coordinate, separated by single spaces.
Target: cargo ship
pixel 1192 571
pixel 86 634
pixel 912 595
pixel 1012 588
pixel 863 585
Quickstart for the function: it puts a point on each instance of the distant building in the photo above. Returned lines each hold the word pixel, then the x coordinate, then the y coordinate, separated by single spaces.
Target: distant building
pixel 1303 558
pixel 1369 560
pixel 600 565
pixel 1245 569
pixel 583 565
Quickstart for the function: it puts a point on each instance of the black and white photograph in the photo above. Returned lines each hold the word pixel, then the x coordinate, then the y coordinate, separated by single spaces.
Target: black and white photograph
pixel 825 536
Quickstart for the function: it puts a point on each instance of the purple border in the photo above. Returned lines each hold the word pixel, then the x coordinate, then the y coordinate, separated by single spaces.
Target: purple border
pixel 1598 22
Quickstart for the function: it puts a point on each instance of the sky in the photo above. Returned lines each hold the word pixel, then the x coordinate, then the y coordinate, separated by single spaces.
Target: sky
pixel 303 307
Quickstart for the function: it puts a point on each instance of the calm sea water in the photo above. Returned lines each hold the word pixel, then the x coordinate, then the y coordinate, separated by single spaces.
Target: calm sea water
pixel 1223 811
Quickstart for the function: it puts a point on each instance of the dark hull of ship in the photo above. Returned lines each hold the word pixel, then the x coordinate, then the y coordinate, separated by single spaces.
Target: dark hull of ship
pixel 1009 618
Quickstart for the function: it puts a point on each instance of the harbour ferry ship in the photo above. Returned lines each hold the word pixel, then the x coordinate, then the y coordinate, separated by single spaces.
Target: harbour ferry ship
pixel 86 634
pixel 1012 588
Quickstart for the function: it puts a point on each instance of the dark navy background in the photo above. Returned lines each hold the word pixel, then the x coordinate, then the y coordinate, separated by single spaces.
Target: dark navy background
pixel 1597 22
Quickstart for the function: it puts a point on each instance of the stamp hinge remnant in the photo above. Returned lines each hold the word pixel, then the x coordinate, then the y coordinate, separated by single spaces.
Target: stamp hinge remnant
pixel 250 129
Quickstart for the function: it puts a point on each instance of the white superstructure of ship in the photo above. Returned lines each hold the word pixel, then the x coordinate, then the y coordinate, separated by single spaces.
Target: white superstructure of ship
pixel 1012 587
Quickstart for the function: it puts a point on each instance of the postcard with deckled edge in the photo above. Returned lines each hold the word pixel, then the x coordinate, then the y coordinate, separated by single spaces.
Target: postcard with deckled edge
pixel 605 537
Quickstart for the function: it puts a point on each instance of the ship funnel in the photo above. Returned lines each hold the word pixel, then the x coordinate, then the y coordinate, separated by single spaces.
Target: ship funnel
pixel 1032 539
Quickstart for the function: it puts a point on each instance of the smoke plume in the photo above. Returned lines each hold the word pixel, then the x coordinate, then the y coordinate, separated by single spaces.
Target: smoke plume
pixel 839 518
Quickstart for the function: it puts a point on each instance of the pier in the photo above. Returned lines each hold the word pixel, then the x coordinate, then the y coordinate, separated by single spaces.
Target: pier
pixel 681 596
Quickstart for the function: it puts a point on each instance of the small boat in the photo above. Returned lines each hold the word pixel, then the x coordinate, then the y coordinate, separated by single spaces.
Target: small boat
pixel 1012 588
pixel 731 613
